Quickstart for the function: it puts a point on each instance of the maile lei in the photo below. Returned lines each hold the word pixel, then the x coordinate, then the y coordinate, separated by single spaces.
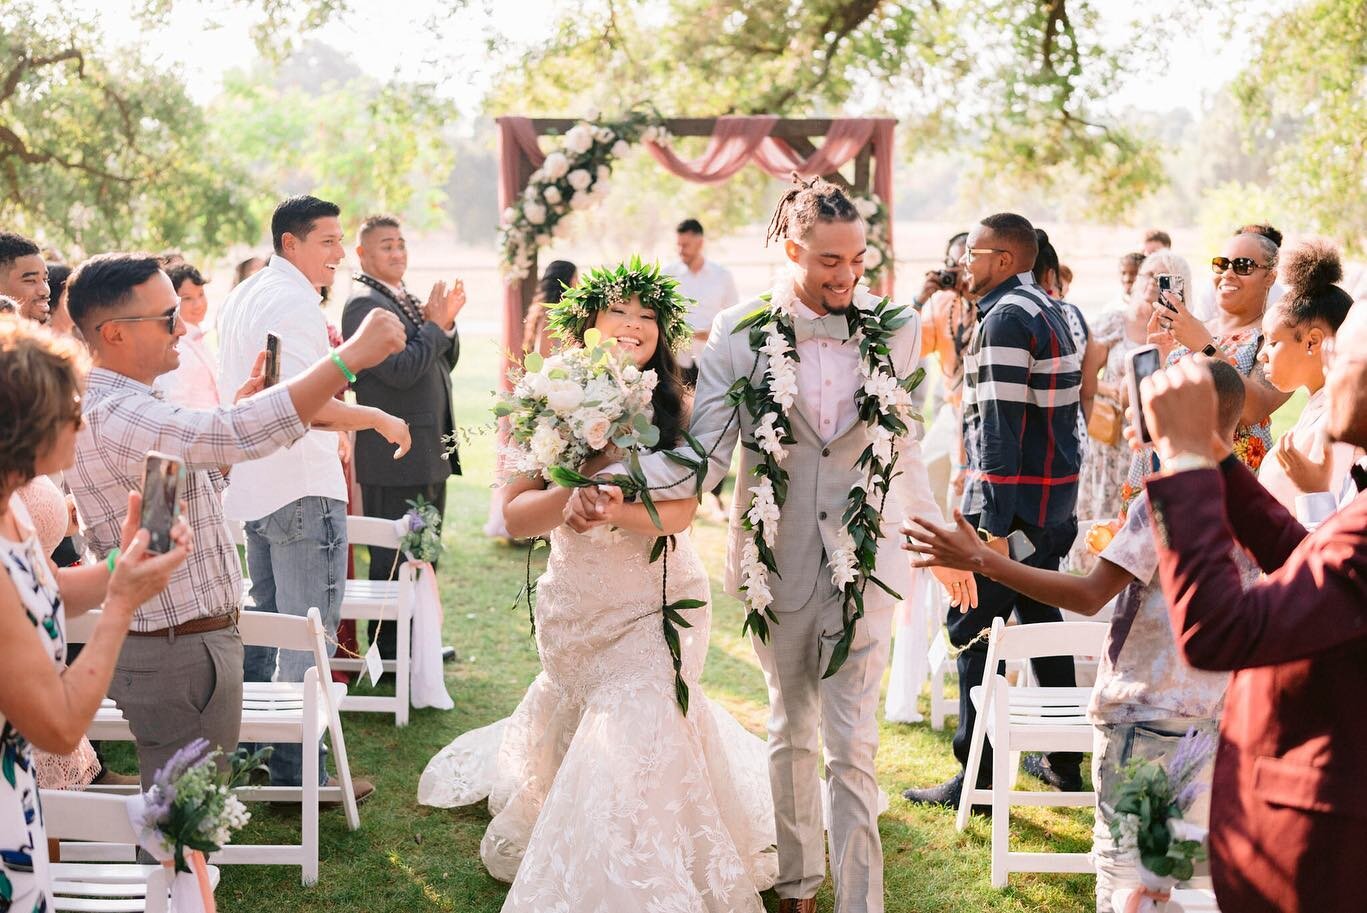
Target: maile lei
pixel 883 403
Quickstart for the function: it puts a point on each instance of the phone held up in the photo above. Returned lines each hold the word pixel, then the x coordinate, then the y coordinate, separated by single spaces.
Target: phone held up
pixel 162 481
pixel 271 373
pixel 1170 282
pixel 1144 361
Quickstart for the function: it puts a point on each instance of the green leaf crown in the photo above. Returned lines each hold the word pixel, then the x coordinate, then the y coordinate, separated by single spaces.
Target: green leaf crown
pixel 571 317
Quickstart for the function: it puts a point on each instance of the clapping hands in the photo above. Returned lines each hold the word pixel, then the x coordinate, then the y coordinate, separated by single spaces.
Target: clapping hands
pixel 443 304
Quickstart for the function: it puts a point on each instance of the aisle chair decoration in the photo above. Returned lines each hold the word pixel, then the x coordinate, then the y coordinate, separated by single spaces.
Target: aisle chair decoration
pixel 189 812
pixel 1148 820
pixel 420 543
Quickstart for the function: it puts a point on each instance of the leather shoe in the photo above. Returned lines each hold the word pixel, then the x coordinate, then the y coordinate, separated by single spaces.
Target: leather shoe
pixel 797 905
pixel 946 795
pixel 361 788
pixel 108 777
pixel 1065 781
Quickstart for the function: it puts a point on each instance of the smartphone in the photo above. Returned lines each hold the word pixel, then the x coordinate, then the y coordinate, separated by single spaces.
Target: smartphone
pixel 1170 282
pixel 272 369
pixel 1144 361
pixel 162 480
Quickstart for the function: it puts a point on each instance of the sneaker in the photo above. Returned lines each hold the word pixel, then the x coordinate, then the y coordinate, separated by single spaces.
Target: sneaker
pixel 448 653
pixel 361 788
pixel 1065 781
pixel 946 795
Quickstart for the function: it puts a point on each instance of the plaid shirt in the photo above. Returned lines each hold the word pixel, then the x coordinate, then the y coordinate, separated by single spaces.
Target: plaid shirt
pixel 123 420
pixel 1022 385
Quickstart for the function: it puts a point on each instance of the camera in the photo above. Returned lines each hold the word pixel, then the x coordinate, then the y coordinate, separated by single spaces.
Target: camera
pixel 948 278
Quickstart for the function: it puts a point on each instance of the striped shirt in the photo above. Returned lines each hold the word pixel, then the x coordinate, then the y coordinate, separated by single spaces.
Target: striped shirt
pixel 123 420
pixel 1022 385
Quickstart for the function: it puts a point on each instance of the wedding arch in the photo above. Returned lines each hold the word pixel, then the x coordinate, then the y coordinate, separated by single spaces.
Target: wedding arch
pixel 537 191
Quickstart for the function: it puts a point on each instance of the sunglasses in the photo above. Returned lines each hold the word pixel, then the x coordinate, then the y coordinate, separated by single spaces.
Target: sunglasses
pixel 1242 266
pixel 170 319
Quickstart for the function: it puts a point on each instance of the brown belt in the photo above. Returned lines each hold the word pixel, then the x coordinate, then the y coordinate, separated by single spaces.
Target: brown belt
pixel 193 626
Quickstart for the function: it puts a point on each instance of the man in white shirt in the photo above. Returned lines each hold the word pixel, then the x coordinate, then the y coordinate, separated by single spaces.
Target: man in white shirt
pixel 294 501
pixel 712 290
pixel 194 384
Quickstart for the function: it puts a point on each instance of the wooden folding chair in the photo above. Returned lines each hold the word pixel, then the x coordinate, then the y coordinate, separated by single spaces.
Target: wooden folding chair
pixel 1029 718
pixel 84 887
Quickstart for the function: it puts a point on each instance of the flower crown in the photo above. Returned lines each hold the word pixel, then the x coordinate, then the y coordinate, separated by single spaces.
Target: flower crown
pixel 600 289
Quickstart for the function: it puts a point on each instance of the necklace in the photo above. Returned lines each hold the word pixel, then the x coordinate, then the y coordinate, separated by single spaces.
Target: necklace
pixel 407 303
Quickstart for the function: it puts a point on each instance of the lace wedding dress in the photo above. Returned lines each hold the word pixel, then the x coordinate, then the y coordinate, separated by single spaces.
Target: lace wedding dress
pixel 605 796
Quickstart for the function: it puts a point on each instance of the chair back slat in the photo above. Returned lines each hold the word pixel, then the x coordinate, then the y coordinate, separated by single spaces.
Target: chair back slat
pixel 75 815
pixel 1059 638
pixel 371 531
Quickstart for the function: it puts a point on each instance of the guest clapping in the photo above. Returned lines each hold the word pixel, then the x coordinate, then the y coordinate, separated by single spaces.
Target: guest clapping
pixel 1288 834
pixel 44 705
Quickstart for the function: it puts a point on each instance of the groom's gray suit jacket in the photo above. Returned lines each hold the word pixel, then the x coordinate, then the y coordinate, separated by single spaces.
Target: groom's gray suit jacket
pixel 820 474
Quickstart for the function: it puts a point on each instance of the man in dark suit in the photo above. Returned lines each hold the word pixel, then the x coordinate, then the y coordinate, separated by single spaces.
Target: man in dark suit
pixel 414 384
pixel 1289 804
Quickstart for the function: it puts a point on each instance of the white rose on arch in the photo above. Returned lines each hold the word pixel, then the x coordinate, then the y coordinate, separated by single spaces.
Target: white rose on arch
pixel 579 139
pixel 581 201
pixel 620 148
pixel 555 166
pixel 535 213
pixel 866 207
pixel 873 257
pixel 562 229
pixel 603 135
pixel 604 172
pixel 579 179
pixel 552 195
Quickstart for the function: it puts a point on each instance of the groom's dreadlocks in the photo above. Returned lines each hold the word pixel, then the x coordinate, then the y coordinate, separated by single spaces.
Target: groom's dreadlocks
pixel 805 204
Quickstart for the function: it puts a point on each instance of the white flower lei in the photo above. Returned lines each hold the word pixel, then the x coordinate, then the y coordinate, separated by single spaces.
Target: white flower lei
pixel 884 405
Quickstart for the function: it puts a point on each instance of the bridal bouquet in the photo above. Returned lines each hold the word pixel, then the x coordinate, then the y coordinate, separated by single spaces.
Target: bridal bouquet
pixel 1148 819
pixel 575 404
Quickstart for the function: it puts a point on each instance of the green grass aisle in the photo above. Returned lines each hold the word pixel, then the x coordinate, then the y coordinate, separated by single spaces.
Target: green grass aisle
pixel 409 858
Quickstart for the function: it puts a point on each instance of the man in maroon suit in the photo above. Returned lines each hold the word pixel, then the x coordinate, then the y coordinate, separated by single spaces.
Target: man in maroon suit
pixel 1289 805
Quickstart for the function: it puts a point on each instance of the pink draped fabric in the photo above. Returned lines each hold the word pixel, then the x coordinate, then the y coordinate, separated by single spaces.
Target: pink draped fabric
pixel 735 142
pixel 515 135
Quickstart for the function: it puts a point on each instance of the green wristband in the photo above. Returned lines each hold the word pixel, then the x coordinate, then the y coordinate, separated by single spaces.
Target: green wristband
pixel 110 559
pixel 341 366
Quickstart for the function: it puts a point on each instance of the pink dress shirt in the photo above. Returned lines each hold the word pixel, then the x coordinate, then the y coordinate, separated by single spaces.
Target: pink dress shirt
pixel 827 378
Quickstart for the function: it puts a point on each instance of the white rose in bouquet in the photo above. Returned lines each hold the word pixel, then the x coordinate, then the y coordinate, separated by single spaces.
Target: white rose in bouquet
pixel 593 426
pixel 579 139
pixel 556 166
pixel 873 258
pixel 535 213
pixel 546 444
pixel 552 195
pixel 579 179
pixel 581 201
pixel 533 384
pixel 631 374
pixel 604 391
pixel 564 396
pixel 620 148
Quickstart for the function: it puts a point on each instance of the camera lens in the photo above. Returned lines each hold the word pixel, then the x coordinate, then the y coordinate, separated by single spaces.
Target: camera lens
pixel 948 278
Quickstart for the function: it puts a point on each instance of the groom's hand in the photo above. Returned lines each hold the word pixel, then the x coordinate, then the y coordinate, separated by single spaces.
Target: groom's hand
pixel 592 506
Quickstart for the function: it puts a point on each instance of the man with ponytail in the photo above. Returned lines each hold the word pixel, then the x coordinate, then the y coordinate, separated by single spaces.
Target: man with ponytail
pixel 796 353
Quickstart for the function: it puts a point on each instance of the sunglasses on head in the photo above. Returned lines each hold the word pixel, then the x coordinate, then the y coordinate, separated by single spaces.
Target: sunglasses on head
pixel 1242 266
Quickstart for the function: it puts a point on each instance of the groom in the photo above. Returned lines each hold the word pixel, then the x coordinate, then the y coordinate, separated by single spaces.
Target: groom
pixel 823 238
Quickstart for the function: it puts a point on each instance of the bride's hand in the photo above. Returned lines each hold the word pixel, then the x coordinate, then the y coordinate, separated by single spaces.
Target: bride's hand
pixel 592 506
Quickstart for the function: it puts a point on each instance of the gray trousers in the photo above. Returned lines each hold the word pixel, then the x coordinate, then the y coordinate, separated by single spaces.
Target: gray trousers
pixel 174 691
pixel 842 710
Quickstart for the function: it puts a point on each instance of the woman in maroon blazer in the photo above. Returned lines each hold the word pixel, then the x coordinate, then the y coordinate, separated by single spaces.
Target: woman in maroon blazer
pixel 1289 805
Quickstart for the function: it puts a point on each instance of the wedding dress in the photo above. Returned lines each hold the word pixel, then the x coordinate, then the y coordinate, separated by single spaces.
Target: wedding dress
pixel 605 796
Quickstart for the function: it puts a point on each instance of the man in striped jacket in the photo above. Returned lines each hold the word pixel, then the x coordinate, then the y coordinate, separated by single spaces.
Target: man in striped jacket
pixel 1022 379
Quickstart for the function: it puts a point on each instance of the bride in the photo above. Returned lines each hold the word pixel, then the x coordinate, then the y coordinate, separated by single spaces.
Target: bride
pixel 605 796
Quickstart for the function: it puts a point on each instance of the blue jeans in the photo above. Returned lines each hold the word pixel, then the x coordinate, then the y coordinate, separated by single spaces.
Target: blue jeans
pixel 297 560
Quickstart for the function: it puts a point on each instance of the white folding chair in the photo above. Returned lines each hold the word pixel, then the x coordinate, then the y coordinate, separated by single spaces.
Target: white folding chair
pixel 297 712
pixel 1015 719
pixel 82 887
pixel 388 602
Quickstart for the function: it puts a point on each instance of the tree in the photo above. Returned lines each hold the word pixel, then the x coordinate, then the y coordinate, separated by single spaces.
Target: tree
pixel 1305 93
pixel 100 152
pixel 1017 81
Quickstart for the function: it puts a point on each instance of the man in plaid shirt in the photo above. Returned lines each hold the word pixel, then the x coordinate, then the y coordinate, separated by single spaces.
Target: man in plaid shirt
pixel 1022 385
pixel 179 676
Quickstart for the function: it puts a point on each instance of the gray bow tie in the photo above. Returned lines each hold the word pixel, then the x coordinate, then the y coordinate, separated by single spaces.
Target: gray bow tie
pixel 830 326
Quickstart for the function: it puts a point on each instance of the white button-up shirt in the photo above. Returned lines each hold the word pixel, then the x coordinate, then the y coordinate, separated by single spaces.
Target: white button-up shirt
pixel 712 288
pixel 278 299
pixel 828 376
pixel 194 384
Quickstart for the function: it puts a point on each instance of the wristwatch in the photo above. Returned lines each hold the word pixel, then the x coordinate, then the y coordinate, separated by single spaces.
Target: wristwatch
pixel 1184 462
pixel 1210 351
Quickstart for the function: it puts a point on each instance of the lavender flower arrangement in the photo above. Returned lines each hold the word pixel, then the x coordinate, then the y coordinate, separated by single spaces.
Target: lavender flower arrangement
pixel 422 540
pixel 191 805
pixel 1150 804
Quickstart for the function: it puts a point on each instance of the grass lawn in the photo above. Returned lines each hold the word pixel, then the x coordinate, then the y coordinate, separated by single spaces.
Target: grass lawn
pixel 410 858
